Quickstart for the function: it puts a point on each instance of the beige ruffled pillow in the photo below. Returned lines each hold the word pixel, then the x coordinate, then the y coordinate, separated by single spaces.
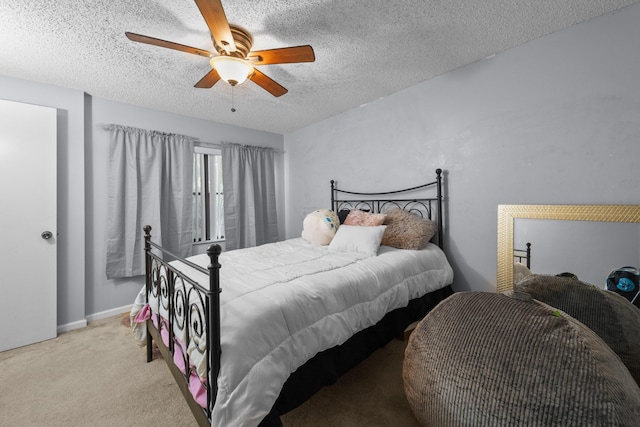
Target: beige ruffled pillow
pixel 407 231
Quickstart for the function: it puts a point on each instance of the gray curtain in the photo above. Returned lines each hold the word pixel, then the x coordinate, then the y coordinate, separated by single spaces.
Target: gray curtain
pixel 250 214
pixel 150 182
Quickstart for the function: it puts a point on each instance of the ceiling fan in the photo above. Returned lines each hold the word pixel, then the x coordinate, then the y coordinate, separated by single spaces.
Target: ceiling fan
pixel 234 62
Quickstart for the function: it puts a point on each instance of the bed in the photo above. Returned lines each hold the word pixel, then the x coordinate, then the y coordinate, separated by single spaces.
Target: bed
pixel 523 256
pixel 248 341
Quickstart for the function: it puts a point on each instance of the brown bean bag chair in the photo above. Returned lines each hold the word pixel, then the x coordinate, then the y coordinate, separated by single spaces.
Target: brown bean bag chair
pixel 487 359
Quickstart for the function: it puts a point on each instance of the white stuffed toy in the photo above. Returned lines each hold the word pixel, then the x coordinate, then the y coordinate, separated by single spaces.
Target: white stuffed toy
pixel 320 226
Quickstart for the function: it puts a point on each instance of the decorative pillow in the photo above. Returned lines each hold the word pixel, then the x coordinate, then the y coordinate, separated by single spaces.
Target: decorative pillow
pixel 353 238
pixel 358 217
pixel 606 313
pixel 320 226
pixel 407 231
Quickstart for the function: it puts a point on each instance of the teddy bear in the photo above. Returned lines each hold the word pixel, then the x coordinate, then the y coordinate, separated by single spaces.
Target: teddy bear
pixel 320 226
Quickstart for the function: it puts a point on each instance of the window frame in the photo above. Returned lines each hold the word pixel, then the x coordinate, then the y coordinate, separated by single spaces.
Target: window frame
pixel 211 215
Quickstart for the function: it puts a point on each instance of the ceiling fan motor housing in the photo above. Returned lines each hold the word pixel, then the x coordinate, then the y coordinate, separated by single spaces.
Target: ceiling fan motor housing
pixel 242 39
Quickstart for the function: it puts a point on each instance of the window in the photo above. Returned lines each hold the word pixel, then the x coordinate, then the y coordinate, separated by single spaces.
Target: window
pixel 208 200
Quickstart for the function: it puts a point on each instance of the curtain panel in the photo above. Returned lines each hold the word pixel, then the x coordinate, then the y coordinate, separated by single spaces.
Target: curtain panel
pixel 250 214
pixel 150 182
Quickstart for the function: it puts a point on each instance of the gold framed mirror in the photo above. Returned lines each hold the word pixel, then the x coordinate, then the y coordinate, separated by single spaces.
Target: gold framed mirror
pixel 507 214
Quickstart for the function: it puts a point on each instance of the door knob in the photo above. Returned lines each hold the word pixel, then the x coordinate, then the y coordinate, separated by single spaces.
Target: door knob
pixel 46 235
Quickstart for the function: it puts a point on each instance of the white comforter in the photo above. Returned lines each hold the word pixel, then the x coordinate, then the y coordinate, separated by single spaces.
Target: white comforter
pixel 283 303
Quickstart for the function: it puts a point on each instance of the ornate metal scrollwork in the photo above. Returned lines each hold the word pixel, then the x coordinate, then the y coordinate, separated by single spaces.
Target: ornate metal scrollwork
pixel 180 305
pixel 155 277
pixel 422 208
pixel 363 205
pixel 198 329
pixel 164 288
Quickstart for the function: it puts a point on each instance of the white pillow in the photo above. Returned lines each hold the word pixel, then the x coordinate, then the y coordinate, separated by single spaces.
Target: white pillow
pixel 357 238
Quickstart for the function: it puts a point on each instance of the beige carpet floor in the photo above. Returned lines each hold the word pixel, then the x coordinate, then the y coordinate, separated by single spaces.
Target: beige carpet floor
pixel 97 376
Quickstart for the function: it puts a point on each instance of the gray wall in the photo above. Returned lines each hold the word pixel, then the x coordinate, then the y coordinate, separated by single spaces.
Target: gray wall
pixel 83 289
pixel 556 120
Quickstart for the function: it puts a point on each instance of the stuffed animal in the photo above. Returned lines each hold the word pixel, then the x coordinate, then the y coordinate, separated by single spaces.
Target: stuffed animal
pixel 320 226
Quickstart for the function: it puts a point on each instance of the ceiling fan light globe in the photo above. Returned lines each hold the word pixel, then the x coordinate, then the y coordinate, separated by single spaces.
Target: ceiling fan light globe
pixel 232 70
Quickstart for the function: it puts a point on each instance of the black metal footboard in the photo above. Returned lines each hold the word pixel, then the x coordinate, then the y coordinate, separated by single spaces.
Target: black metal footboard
pixel 187 317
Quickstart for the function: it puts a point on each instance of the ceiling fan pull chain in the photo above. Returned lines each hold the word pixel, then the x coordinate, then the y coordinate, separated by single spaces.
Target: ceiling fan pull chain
pixel 233 109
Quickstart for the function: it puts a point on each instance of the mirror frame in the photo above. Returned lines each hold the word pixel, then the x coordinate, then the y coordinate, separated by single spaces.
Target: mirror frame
pixel 508 213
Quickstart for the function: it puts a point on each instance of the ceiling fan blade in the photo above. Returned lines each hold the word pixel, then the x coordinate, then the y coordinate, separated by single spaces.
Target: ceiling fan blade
pixel 163 43
pixel 267 83
pixel 208 80
pixel 285 55
pixel 216 20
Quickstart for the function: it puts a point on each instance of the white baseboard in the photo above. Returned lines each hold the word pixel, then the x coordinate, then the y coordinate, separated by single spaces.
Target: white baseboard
pixel 92 317
pixel 71 326
pixel 109 313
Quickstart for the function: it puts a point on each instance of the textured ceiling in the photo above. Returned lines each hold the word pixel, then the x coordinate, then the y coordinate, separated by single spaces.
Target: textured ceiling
pixel 364 49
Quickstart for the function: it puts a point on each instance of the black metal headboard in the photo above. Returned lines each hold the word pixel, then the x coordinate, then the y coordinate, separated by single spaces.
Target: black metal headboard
pixel 398 199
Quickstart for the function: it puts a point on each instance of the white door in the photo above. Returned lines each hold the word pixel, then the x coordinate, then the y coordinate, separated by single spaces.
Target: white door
pixel 28 198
